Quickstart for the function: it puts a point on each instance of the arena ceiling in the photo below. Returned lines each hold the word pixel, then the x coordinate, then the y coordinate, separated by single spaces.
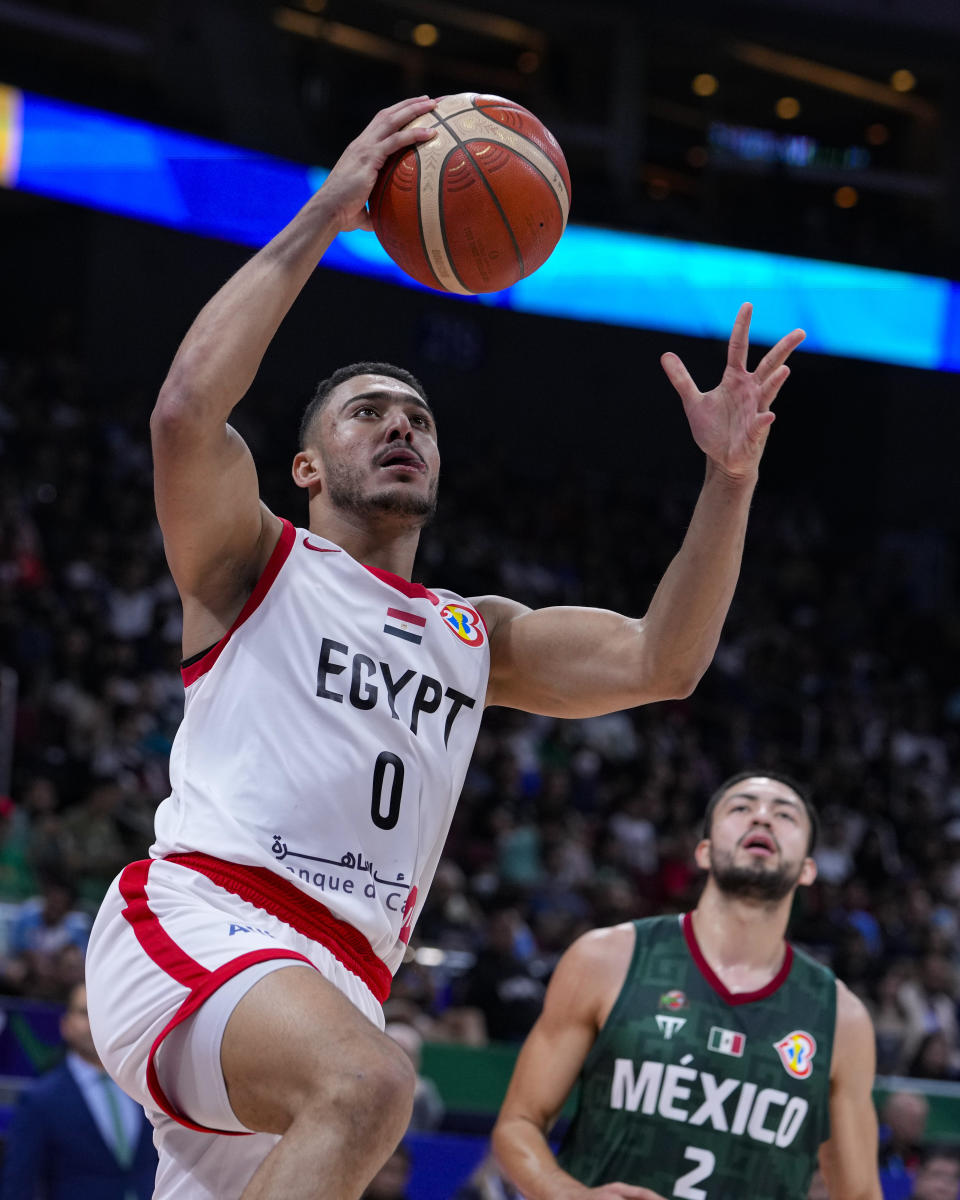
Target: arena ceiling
pixel 823 128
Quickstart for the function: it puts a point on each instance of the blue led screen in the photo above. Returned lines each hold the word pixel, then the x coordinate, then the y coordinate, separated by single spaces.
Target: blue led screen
pixel 140 170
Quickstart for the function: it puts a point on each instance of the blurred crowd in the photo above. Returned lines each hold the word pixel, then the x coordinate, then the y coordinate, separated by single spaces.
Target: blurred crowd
pixel 838 664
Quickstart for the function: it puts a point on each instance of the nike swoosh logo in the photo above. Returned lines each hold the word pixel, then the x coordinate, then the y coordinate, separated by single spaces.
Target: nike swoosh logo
pixel 319 549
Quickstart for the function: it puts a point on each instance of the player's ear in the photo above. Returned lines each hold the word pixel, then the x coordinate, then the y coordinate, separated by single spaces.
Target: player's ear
pixel 306 469
pixel 808 872
pixel 701 855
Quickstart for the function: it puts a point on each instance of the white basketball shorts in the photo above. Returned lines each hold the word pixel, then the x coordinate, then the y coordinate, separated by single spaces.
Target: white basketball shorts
pixel 190 932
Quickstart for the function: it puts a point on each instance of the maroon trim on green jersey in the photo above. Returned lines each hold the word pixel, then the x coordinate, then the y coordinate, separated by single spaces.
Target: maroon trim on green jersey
pixel 717 983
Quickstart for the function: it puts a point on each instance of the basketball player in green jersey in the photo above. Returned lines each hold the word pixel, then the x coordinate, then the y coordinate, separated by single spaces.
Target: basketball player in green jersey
pixel 715 1061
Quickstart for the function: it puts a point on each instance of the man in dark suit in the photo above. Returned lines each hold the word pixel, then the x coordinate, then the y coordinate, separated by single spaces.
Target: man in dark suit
pixel 75 1134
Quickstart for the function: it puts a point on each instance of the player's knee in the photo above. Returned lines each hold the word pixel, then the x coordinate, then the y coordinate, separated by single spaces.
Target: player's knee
pixel 395 1082
pixel 374 1095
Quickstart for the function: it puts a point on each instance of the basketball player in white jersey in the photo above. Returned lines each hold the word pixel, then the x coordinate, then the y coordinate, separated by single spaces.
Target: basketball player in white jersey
pixel 236 976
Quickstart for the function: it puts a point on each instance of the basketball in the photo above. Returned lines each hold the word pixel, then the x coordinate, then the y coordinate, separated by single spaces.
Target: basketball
pixel 479 206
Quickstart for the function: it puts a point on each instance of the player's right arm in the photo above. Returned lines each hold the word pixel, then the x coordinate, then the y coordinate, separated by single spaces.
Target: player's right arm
pixel 848 1159
pixel 587 978
pixel 217 534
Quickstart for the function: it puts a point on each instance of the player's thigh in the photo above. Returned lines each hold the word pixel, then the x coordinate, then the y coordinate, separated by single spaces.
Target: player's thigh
pixel 295 1043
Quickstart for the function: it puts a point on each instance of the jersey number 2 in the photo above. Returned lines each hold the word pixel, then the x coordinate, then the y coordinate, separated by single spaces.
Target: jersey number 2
pixel 703 1170
pixel 388 819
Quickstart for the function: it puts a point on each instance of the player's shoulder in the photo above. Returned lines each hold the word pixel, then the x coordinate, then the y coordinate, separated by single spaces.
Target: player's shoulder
pixel 601 951
pixel 497 610
pixel 854 1033
pixel 591 973
pixel 852 1014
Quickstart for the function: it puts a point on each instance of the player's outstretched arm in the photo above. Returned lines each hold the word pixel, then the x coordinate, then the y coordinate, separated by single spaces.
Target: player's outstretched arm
pixel 578 662
pixel 214 526
pixel 849 1159
pixel 548 1066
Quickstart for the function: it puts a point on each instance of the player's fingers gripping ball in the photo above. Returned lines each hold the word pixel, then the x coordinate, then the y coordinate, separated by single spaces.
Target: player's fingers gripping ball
pixel 481 204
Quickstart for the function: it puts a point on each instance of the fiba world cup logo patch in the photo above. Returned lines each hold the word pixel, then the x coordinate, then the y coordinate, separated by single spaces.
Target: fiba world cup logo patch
pixel 796 1052
pixel 465 623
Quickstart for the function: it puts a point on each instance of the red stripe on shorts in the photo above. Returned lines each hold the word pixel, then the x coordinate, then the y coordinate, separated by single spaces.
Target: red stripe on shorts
pixel 214 980
pixel 271 892
pixel 199 980
pixel 151 935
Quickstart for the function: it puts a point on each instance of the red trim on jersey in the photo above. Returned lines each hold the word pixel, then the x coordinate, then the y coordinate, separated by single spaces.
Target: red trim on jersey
pixel 151 935
pixel 414 591
pixel 278 557
pixel 213 982
pixel 717 983
pixel 271 892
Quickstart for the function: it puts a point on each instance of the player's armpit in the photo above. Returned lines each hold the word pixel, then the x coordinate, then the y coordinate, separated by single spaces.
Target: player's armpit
pixel 849 1159
pixel 572 662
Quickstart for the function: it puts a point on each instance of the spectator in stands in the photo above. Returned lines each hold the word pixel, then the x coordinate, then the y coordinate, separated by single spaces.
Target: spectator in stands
pixel 934 1059
pixel 41 929
pixel 889 1019
pixel 75 1135
pixel 938 1176
pixel 930 1006
pixel 17 880
pixel 833 857
pixel 37 821
pixel 450 918
pixel 903 1121
pixel 501 984
pixel 93 849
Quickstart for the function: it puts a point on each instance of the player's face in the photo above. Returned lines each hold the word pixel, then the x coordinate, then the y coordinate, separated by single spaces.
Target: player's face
pixel 378 449
pixel 758 841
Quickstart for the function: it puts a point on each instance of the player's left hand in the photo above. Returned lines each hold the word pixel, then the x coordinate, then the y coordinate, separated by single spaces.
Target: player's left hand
pixel 731 423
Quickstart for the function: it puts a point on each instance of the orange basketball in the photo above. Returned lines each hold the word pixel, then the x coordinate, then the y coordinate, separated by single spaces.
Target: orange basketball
pixel 479 206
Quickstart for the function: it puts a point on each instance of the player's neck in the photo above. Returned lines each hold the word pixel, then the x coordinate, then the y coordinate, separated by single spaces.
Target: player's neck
pixel 742 940
pixel 387 544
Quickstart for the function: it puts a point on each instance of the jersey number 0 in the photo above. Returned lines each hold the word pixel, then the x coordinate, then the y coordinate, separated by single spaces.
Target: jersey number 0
pixel 388 819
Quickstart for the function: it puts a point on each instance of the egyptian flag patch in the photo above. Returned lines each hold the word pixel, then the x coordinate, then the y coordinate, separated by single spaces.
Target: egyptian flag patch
pixel 405 625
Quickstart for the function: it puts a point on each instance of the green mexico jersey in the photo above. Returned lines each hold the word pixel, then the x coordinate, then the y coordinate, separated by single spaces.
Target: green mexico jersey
pixel 701 1093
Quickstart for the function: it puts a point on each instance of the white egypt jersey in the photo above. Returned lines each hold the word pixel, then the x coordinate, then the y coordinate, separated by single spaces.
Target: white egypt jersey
pixel 325 740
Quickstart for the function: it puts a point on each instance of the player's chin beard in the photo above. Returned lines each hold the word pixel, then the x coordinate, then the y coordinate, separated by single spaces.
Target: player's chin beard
pixel 755 882
pixel 346 493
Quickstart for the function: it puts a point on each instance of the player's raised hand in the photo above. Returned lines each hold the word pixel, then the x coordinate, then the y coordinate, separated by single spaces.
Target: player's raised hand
pixel 730 424
pixel 351 181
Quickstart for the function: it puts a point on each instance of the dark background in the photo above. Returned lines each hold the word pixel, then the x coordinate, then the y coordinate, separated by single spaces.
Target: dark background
pixel 561 399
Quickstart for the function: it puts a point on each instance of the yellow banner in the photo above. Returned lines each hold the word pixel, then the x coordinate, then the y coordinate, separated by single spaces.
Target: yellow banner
pixel 11 134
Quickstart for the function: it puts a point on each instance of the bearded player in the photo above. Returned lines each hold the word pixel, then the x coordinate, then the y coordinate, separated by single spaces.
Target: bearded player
pixel 715 1061
pixel 236 977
